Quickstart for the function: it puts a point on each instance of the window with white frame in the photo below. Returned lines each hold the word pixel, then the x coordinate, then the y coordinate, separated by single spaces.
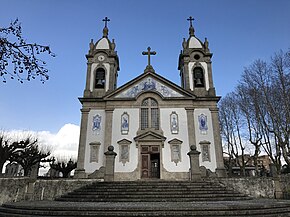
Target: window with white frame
pixel 124 151
pixel 205 151
pixel 175 147
pixel 94 152
pixel 149 114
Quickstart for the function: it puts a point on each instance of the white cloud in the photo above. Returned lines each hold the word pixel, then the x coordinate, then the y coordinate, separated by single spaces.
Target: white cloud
pixel 63 144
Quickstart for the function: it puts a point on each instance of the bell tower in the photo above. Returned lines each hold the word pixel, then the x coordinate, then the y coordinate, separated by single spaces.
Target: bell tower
pixel 195 65
pixel 102 66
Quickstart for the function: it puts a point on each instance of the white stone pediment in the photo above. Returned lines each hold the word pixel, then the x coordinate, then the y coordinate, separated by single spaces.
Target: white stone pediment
pixel 148 84
pixel 150 136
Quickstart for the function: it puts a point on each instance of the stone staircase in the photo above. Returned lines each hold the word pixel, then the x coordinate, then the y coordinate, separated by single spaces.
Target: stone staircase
pixel 152 191
pixel 150 198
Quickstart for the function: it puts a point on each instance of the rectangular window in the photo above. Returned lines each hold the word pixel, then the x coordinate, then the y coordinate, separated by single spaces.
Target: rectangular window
pixel 124 153
pixel 144 118
pixel 154 118
pixel 94 152
pixel 205 152
pixel 175 153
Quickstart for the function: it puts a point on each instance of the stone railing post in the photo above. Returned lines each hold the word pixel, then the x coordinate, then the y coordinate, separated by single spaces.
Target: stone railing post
pixel 110 164
pixel 195 174
pixel 277 183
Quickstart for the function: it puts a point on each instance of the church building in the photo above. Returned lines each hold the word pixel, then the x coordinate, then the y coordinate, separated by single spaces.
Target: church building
pixel 150 121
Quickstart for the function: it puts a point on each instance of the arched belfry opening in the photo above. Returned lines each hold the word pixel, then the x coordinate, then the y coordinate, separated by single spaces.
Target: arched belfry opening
pixel 198 77
pixel 100 78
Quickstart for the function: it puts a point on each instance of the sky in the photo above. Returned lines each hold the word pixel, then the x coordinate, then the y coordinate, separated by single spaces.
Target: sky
pixel 238 33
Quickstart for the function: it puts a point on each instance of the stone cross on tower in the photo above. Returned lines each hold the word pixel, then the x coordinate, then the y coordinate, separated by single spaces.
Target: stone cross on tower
pixel 106 30
pixel 106 20
pixel 191 29
pixel 190 19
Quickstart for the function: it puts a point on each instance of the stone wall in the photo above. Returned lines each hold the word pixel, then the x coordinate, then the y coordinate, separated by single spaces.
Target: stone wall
pixel 13 189
pixel 265 187
pixel 285 185
pixel 17 189
pixel 253 186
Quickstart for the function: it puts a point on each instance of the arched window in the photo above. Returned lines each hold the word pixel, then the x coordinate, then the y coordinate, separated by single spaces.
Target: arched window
pixel 149 114
pixel 198 77
pixel 100 78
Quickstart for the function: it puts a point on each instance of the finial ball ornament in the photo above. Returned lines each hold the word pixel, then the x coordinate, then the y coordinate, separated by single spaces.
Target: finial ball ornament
pixel 193 148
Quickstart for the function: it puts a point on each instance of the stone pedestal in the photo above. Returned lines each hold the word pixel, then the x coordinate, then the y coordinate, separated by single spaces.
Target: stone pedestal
pixel 34 171
pixel 195 174
pixel 278 188
pixel 221 172
pixel 30 189
pixel 273 171
pixel 80 174
pixel 110 164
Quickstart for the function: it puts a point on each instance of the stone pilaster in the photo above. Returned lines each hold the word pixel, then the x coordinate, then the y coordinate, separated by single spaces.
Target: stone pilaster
pixel 220 170
pixel 88 78
pixel 186 73
pixel 80 170
pixel 110 164
pixel 190 125
pixel 195 174
pixel 108 128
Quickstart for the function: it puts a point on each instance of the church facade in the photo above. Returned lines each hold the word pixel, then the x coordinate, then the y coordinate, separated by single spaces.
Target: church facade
pixel 150 121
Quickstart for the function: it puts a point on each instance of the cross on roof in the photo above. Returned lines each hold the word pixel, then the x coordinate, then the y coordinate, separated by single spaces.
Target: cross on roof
pixel 190 19
pixel 149 53
pixel 106 20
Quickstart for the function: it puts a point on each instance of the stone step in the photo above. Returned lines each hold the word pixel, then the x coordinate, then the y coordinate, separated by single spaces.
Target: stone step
pixel 258 208
pixel 165 194
pixel 138 193
pixel 143 186
pixel 151 186
pixel 155 199
pixel 137 183
pixel 156 189
pixel 152 191
pixel 161 183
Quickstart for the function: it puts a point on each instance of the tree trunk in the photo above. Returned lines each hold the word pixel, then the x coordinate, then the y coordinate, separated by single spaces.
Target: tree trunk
pixel 2 162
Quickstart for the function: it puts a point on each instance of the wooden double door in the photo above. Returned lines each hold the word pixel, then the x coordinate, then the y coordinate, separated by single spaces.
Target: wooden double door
pixel 150 165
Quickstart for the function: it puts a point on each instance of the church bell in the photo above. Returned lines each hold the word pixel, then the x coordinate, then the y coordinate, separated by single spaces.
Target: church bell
pixel 99 83
pixel 198 81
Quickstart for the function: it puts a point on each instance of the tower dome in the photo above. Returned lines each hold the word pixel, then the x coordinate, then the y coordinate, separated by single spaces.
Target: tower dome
pixel 104 43
pixel 194 42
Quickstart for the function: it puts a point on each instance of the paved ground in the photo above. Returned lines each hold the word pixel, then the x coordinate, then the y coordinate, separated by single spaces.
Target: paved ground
pixel 220 205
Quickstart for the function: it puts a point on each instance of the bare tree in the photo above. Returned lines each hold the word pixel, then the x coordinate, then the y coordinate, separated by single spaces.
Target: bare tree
pixel 30 155
pixel 232 128
pixel 63 166
pixel 258 111
pixel 8 148
pixel 280 108
pixel 20 59
pixel 248 102
pixel 271 82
